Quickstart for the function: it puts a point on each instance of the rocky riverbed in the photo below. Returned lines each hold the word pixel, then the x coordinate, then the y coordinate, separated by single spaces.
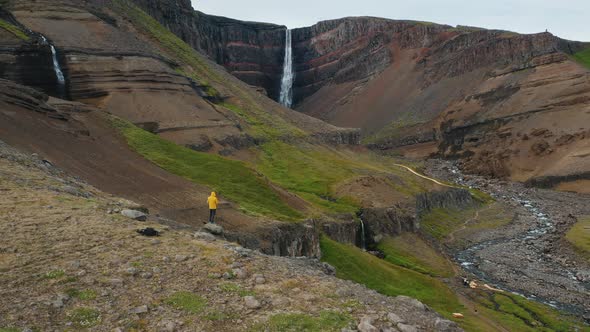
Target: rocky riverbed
pixel 528 256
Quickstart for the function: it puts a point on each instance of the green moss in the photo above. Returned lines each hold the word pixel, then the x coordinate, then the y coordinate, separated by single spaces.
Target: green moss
pixel 14 30
pixel 325 321
pixel 516 313
pixel 354 264
pixel 232 179
pixel 84 317
pixel 234 288
pixel 216 316
pixel 56 274
pixel 583 57
pixel 187 301
pixel 9 329
pixel 413 253
pixel 579 236
pixel 83 295
pixel 439 222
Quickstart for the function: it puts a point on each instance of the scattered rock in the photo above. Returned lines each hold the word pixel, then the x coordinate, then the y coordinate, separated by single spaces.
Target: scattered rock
pixel 394 318
pixel 406 328
pixel 328 269
pixel 167 326
pixel 252 303
pixel 204 236
pixel 131 271
pixel 366 325
pixel 411 302
pixel 213 229
pixel 140 310
pixel 181 258
pixel 444 325
pixel 240 273
pixel 146 275
pixel 134 214
pixel 259 279
pixel 116 282
pixel 458 315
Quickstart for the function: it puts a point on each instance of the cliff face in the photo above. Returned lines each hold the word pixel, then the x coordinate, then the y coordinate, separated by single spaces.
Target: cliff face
pixel 253 52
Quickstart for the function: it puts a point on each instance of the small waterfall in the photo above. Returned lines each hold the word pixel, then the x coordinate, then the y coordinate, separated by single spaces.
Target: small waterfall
pixel 61 80
pixel 363 240
pixel 286 98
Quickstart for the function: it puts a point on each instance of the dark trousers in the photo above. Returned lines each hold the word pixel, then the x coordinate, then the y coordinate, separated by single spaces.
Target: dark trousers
pixel 212 213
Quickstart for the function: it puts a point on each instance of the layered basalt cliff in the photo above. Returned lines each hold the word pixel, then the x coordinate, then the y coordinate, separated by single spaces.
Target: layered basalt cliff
pixel 253 52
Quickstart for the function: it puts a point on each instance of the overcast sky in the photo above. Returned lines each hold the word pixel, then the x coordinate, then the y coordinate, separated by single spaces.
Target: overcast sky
pixel 568 19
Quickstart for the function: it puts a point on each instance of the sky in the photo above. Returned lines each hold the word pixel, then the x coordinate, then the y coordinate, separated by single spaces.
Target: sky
pixel 567 19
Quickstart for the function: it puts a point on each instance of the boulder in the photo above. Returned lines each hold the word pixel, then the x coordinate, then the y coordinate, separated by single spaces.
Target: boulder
pixel 251 302
pixel 213 229
pixel 134 214
pixel 204 236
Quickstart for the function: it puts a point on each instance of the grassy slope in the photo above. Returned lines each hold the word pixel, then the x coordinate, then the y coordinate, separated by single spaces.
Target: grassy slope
pixel 511 312
pixel 233 179
pixel 583 57
pixel 410 251
pixel 14 30
pixel 579 236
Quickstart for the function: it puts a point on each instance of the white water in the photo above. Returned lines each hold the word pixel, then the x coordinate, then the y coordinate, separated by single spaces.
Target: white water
pixel 61 80
pixel 363 244
pixel 286 98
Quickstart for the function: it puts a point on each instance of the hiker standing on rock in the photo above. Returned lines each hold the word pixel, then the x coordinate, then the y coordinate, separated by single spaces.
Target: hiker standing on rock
pixel 212 201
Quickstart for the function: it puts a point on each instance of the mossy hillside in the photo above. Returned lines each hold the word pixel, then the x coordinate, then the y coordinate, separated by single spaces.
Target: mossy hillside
pixel 313 172
pixel 411 252
pixel 233 179
pixel 579 236
pixel 16 31
pixel 262 125
pixel 516 313
pixel 583 57
pixel 353 264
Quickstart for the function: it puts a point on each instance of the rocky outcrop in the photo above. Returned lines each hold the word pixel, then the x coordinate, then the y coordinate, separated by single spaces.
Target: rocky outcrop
pixel 253 52
pixel 447 199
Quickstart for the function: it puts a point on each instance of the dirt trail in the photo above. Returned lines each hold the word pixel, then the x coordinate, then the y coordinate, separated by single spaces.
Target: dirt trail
pixel 424 176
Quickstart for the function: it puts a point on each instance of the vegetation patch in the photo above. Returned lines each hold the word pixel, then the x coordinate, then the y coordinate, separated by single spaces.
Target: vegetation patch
pixel 9 329
pixel 234 288
pixel 353 264
pixel 411 252
pixel 583 57
pixel 325 321
pixel 14 30
pixel 84 317
pixel 579 236
pixel 516 313
pixel 232 179
pixel 55 274
pixel 83 295
pixel 439 222
pixel 187 301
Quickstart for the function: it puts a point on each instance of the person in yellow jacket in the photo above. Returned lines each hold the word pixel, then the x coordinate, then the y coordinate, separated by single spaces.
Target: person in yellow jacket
pixel 212 201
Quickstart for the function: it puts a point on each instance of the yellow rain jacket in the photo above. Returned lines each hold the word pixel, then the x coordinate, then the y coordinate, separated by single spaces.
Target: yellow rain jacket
pixel 212 200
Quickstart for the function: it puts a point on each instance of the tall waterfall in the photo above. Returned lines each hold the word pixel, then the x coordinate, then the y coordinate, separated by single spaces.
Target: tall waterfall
pixel 286 98
pixel 61 80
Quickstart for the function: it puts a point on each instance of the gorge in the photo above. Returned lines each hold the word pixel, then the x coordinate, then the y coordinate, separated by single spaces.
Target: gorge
pixel 398 155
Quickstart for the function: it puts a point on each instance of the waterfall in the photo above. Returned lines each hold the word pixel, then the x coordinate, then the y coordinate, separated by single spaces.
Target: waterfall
pixel 286 98
pixel 363 240
pixel 61 80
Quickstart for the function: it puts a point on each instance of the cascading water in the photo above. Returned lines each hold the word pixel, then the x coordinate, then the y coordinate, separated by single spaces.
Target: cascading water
pixel 286 98
pixel 363 241
pixel 61 80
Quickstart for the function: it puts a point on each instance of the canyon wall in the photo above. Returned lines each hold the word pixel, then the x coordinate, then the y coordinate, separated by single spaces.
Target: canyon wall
pixel 253 52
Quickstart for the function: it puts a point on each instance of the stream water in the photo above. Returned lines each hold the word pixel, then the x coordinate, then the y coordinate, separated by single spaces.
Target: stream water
pixel 521 261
